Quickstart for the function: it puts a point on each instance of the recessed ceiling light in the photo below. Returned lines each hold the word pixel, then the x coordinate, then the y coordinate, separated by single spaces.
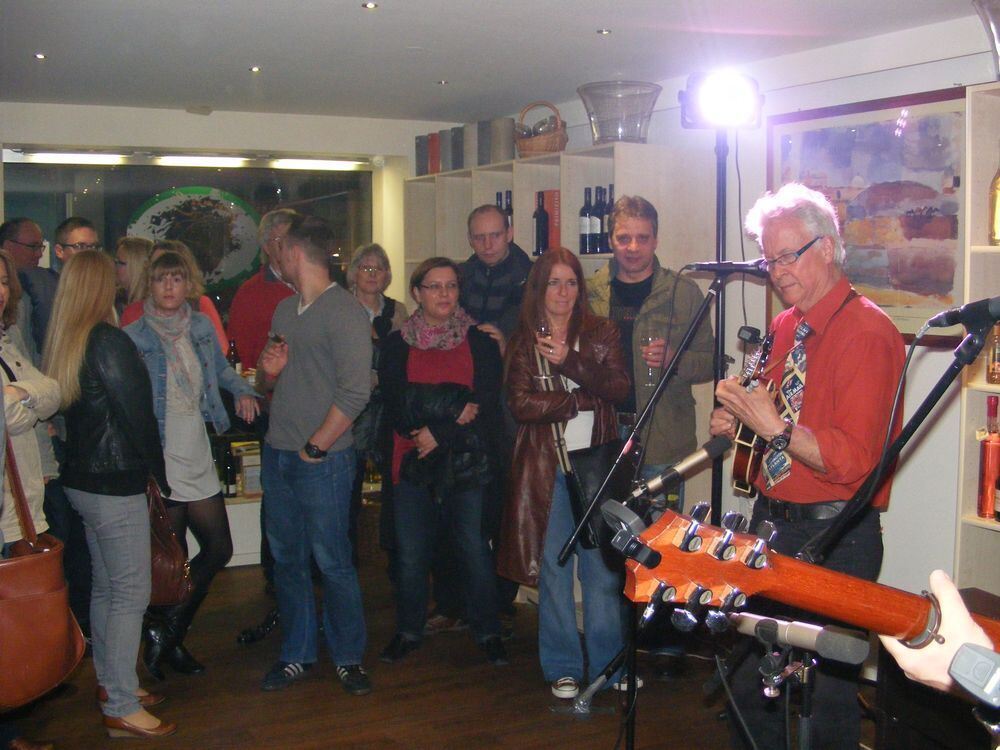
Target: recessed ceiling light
pixel 255 69
pixel 182 160
pixel 369 6
pixel 442 82
pixel 39 55
pixel 49 157
pixel 341 165
pixel 604 32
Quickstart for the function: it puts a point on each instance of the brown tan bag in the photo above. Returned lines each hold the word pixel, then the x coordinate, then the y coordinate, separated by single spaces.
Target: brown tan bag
pixel 171 573
pixel 40 640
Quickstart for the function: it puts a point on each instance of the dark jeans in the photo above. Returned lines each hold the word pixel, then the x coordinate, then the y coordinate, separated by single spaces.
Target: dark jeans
pixel 836 718
pixel 422 523
pixel 66 525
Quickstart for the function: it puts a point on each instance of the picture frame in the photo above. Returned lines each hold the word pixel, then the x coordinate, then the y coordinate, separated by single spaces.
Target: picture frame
pixel 893 170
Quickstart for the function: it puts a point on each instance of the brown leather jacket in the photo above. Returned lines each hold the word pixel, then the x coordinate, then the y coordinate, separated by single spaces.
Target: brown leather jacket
pixel 600 369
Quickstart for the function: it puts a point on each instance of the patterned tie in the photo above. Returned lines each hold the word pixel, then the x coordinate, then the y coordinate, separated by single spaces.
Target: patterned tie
pixel 777 465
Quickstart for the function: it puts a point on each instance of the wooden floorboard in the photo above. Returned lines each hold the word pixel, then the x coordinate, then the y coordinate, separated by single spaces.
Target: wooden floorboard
pixel 444 695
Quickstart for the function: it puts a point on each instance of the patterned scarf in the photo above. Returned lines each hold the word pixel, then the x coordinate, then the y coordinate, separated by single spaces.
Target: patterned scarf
pixel 417 332
pixel 174 330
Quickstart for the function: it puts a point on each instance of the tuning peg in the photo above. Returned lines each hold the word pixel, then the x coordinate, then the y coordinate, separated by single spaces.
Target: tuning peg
pixel 766 531
pixel 717 622
pixel 664 592
pixel 691 541
pixel 685 618
pixel 735 522
pixel 724 549
pixel 700 512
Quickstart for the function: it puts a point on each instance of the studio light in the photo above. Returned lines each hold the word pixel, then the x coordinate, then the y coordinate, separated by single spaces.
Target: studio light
pixel 720 99
pixel 59 157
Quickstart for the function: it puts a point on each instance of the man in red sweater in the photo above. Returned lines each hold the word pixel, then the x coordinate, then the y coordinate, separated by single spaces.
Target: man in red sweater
pixel 255 300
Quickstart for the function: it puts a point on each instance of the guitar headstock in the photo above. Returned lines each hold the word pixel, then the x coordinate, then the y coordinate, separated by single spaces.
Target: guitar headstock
pixel 702 566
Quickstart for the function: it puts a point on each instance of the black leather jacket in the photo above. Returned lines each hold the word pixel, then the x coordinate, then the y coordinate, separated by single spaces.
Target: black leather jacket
pixel 112 439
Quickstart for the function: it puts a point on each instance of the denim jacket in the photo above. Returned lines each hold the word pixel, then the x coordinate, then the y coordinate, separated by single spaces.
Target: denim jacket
pixel 215 371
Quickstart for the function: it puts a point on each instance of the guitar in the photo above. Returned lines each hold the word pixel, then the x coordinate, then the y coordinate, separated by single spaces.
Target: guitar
pixel 720 568
pixel 749 448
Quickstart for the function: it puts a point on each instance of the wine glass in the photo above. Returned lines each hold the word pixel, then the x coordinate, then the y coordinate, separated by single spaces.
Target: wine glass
pixel 650 374
pixel 544 330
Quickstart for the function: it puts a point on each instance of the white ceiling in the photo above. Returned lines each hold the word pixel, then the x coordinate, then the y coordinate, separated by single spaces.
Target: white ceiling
pixel 333 57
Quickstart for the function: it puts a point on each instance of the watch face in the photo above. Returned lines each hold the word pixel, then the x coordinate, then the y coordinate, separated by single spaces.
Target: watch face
pixel 779 443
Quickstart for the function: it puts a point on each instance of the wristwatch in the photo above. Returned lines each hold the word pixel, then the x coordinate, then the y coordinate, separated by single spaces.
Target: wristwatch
pixel 780 441
pixel 312 451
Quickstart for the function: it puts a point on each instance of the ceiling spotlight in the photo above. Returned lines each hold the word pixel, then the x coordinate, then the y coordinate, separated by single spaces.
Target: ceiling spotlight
pixel 442 82
pixel 255 69
pixel 604 32
pixel 721 99
pixel 39 55
pixel 369 6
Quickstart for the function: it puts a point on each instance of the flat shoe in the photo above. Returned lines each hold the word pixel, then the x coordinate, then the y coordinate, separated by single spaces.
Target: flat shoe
pixel 565 688
pixel 118 727
pixel 146 701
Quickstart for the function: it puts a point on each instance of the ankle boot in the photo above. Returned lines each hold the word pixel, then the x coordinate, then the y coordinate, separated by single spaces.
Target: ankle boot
pixel 158 639
pixel 181 660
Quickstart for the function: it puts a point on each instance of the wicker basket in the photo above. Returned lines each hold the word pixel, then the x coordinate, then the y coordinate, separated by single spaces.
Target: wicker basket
pixel 546 143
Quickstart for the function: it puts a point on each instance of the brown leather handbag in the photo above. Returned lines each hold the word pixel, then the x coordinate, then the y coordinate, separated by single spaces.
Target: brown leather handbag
pixel 171 572
pixel 40 640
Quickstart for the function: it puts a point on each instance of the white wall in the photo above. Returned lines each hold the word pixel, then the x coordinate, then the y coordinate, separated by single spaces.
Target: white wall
pixel 920 525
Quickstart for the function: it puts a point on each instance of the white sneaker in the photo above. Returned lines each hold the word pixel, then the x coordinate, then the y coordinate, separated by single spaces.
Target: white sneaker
pixel 622 684
pixel 566 688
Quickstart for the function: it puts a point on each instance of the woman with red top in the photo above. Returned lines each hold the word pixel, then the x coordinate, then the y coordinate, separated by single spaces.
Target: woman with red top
pixel 441 381
pixel 197 299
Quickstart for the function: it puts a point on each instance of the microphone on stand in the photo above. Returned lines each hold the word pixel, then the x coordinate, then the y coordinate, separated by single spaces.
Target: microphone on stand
pixel 981 311
pixel 708 452
pixel 831 642
pixel 751 267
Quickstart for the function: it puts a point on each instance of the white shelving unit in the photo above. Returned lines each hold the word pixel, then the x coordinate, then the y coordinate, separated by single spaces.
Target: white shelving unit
pixel 977 546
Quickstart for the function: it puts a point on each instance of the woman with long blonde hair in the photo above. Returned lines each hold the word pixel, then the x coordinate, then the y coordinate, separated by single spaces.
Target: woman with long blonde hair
pixel 131 256
pixel 112 449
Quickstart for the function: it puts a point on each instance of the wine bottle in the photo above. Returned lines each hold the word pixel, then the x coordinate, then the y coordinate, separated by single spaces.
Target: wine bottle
pixel 500 200
pixel 233 357
pixel 585 212
pixel 541 223
pixel 229 471
pixel 993 218
pixel 993 357
pixel 509 209
pixel 609 205
pixel 595 220
pixel 989 463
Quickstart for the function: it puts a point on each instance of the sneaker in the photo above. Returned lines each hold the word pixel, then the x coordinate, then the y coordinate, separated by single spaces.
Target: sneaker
pixel 622 685
pixel 398 647
pixel 565 688
pixel 283 674
pixel 496 654
pixel 354 678
pixel 444 624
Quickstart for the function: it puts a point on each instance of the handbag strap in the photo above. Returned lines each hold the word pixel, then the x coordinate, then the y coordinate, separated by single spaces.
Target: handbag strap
pixel 20 502
pixel 558 428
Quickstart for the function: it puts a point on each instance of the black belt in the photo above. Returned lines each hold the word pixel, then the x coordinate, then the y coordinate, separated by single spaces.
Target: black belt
pixel 626 419
pixel 786 511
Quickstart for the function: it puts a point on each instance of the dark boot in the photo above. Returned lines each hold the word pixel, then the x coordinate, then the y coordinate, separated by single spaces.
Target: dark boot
pixel 158 639
pixel 181 660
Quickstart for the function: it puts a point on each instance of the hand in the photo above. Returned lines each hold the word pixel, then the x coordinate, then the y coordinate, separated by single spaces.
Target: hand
pixel 756 408
pixel 273 359
pixel 722 423
pixel 247 408
pixel 425 441
pixel 552 349
pixel 495 334
pixel 469 413
pixel 655 353
pixel 307 458
pixel 14 392
pixel 929 665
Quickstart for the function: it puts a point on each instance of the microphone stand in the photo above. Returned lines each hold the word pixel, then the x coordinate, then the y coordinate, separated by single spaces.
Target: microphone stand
pixel 816 549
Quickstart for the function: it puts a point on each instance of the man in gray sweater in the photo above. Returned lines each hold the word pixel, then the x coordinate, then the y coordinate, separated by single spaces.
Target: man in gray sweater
pixel 317 362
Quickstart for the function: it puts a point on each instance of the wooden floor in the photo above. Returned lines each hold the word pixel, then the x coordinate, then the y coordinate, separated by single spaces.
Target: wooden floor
pixel 444 695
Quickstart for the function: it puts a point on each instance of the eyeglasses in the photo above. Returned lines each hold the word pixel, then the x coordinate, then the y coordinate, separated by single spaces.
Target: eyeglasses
pixel 787 259
pixel 451 286
pixel 36 247
pixel 371 269
pixel 78 246
pixel 120 263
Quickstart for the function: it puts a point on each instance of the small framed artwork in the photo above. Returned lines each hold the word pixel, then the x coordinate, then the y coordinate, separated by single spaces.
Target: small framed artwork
pixel 893 170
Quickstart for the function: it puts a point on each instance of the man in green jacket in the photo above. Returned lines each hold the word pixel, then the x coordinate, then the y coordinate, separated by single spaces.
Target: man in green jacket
pixel 652 303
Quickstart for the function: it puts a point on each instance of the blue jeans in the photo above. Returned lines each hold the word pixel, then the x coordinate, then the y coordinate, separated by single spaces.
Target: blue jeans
pixel 422 520
pixel 117 529
pixel 603 611
pixel 307 507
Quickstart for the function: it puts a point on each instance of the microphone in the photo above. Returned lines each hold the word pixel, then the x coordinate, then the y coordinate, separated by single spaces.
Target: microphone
pixel 831 642
pixel 751 267
pixel 979 312
pixel 708 452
